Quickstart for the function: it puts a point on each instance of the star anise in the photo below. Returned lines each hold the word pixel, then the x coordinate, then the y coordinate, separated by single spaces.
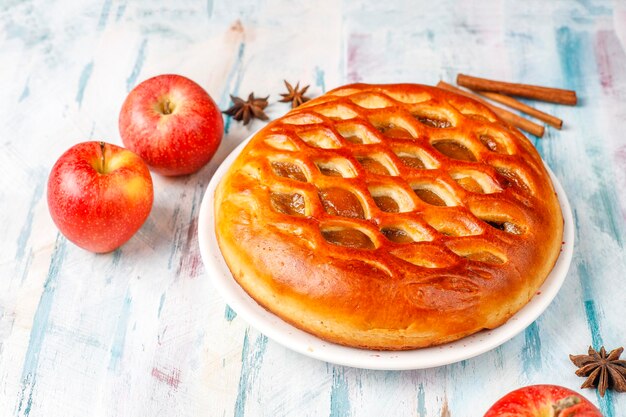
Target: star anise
pixel 249 109
pixel 602 370
pixel 294 95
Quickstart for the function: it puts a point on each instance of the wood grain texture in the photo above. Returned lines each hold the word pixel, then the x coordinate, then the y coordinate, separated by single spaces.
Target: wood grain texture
pixel 141 332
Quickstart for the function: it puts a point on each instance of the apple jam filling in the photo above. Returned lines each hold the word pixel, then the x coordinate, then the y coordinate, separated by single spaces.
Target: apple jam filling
pixel 508 178
pixel 323 139
pixel 429 197
pixel 353 139
pixel 373 166
pixel 351 238
pixel 337 167
pixel 412 161
pixel 454 150
pixel 288 170
pixel 433 122
pixel 396 235
pixel 357 134
pixel 387 204
pixel 492 144
pixel 329 172
pixel 470 184
pixel 505 226
pixel 291 204
pixel 394 131
pixel 485 257
pixel 340 202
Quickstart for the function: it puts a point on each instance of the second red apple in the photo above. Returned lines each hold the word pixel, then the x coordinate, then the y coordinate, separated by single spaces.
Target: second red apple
pixel 172 123
pixel 99 195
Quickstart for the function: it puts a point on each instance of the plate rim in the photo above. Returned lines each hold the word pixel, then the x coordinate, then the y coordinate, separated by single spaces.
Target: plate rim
pixel 309 345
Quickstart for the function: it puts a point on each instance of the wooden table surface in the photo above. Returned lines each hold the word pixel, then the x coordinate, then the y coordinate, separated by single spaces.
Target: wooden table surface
pixel 142 332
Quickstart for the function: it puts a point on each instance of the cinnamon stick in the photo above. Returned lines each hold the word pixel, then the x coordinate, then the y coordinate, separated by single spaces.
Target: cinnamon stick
pixel 518 105
pixel 505 115
pixel 552 95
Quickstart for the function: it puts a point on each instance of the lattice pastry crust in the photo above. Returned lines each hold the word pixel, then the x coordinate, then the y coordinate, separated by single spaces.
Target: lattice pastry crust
pixel 389 217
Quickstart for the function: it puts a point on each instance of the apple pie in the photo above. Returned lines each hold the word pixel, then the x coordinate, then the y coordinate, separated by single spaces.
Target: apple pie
pixel 389 217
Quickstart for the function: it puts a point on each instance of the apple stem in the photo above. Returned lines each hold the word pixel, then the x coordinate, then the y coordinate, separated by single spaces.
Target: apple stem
pixel 167 107
pixel 564 404
pixel 102 156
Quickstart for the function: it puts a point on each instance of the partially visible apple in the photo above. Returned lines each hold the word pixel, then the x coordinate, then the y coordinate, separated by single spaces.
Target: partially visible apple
pixel 99 195
pixel 543 401
pixel 172 123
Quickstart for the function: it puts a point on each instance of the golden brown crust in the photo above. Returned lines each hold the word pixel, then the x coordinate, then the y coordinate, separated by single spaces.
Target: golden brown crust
pixel 389 217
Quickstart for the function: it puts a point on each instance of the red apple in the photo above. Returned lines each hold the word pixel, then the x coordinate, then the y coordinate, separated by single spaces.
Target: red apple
pixel 543 401
pixel 99 195
pixel 172 123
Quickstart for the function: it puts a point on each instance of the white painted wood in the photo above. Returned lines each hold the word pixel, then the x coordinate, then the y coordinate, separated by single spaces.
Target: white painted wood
pixel 141 331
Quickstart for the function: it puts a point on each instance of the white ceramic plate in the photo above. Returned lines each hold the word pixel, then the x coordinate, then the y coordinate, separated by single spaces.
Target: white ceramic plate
pixel 307 344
